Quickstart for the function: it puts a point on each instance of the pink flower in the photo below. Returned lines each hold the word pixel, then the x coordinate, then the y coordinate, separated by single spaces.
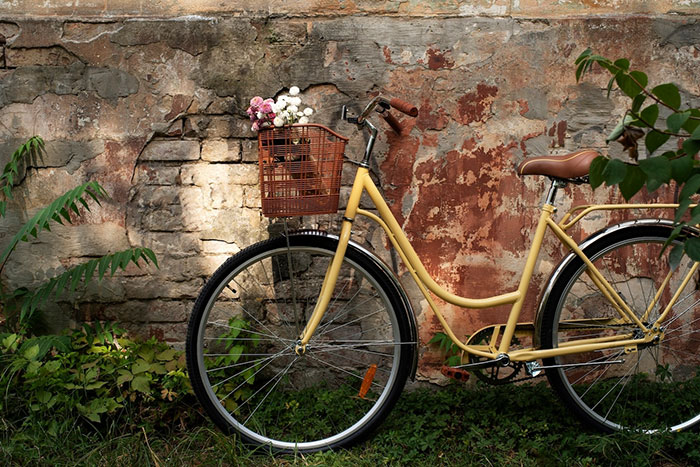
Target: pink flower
pixel 266 107
pixel 256 101
pixel 255 126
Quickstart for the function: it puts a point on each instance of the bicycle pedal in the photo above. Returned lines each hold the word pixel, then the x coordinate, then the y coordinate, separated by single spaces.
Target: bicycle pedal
pixel 458 374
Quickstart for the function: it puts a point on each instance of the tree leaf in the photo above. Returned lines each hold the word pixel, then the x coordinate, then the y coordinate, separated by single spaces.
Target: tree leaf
pixel 622 63
pixel 675 121
pixel 692 248
pixel 668 94
pixel 696 134
pixel 637 102
pixel 627 84
pixel 614 172
pixel 691 147
pixel 658 171
pixel 675 256
pixel 650 114
pixel 595 172
pixel 691 187
pixel 654 140
pixel 633 182
pixel 640 77
pixel 682 168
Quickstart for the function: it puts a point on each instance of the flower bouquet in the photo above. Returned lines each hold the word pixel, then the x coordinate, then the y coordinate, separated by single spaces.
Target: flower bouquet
pixel 300 162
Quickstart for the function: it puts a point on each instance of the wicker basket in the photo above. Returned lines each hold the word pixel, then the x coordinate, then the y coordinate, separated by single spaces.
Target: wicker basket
pixel 300 169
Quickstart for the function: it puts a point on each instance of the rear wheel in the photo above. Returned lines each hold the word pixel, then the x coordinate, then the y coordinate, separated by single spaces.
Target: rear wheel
pixel 656 387
pixel 244 329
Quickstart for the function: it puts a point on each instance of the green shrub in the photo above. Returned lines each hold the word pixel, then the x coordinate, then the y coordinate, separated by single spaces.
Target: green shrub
pixel 91 377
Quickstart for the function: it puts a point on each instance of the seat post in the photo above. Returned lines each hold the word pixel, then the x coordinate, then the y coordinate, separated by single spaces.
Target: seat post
pixel 552 194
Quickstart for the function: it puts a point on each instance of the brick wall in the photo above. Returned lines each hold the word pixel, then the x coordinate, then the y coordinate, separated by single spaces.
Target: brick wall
pixel 152 105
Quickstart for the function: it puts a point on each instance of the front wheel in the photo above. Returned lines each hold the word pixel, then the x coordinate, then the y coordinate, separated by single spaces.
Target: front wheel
pixel 243 332
pixel 648 389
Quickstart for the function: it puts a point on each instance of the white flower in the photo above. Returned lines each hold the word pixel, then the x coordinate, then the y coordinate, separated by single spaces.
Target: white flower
pixel 293 91
pixel 278 121
pixel 304 120
pixel 308 111
pixel 260 115
pixel 296 101
pixel 293 109
pixel 281 103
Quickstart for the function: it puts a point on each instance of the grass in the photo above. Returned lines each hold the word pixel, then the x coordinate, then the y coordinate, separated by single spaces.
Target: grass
pixel 513 425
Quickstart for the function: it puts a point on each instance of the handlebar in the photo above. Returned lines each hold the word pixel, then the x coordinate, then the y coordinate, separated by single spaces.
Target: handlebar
pixel 382 106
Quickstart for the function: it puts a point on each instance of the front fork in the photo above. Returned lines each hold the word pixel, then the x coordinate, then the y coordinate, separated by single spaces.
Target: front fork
pixel 326 290
pixel 334 268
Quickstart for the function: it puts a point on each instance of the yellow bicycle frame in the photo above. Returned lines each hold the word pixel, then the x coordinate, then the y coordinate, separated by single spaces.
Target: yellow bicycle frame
pixel 363 183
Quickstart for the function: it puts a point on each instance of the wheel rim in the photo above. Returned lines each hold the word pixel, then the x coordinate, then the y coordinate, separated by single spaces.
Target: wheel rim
pixel 649 390
pixel 271 386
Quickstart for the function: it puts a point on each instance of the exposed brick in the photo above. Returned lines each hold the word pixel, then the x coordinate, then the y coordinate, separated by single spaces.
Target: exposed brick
pixel 221 150
pixel 171 150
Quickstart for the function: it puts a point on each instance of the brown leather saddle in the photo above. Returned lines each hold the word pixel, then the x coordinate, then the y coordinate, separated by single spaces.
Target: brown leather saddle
pixel 568 166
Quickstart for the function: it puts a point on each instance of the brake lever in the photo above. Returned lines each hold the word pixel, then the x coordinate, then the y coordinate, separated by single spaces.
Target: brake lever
pixel 344 116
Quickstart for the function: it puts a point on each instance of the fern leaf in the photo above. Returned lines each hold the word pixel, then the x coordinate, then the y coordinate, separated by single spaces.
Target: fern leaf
pixel 70 279
pixel 32 148
pixel 53 211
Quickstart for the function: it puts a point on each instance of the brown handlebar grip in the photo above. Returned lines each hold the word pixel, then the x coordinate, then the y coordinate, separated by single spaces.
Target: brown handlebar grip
pixel 405 107
pixel 393 123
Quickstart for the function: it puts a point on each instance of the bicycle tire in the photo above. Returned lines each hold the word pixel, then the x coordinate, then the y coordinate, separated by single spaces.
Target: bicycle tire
pixel 656 388
pixel 253 383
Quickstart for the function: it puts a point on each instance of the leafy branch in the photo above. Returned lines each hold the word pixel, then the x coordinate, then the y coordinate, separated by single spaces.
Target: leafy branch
pixel 640 121
pixel 62 210
pixel 70 279
pixel 58 211
pixel 34 147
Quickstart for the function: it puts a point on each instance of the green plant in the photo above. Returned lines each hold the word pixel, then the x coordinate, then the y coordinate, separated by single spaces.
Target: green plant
pixel 19 305
pixel 450 350
pixel 233 353
pixel 87 375
pixel 659 115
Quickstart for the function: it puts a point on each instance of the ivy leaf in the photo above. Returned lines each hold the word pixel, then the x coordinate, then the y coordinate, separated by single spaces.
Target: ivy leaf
pixel 668 94
pixel 654 140
pixel 595 177
pixel 676 121
pixel 633 182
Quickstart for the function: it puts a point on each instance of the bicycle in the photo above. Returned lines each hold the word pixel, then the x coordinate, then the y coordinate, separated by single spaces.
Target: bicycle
pixel 304 342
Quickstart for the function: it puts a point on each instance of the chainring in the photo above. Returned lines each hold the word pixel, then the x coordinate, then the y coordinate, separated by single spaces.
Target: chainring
pixel 495 375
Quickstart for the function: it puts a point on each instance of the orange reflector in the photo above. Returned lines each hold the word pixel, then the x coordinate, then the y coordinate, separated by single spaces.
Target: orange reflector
pixel 367 380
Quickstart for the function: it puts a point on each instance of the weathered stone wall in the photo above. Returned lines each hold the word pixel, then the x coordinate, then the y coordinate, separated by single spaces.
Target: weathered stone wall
pixel 154 109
